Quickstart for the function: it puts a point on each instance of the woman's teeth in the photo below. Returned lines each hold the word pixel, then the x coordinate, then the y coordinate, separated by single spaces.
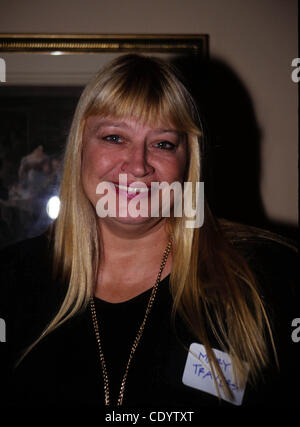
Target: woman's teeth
pixel 132 190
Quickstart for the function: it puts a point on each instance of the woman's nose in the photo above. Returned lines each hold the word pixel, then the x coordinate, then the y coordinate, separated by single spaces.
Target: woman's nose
pixel 136 163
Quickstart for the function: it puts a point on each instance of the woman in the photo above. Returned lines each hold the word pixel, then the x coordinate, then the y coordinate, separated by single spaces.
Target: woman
pixel 133 290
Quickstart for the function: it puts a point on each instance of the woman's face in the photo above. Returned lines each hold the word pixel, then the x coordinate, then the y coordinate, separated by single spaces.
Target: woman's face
pixel 139 153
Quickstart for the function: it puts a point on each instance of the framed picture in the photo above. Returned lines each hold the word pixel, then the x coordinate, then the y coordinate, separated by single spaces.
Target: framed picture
pixel 41 79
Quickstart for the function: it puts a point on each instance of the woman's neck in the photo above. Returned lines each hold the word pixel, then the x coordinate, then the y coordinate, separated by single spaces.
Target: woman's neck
pixel 129 264
pixel 131 239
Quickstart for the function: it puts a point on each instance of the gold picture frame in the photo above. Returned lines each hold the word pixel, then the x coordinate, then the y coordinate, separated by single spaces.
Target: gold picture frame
pixel 195 44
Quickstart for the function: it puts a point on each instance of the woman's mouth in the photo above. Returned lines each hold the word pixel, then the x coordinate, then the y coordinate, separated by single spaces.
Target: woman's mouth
pixel 130 192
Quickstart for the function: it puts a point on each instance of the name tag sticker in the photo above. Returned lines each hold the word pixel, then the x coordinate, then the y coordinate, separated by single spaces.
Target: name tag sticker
pixel 197 374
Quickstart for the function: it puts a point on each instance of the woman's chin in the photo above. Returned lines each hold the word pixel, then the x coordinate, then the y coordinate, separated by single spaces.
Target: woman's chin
pixel 130 221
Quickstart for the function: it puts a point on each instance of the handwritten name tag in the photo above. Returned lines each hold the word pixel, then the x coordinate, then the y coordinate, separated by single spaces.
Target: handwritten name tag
pixel 197 373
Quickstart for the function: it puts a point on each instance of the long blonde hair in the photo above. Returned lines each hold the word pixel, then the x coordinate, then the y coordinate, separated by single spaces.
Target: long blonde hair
pixel 207 275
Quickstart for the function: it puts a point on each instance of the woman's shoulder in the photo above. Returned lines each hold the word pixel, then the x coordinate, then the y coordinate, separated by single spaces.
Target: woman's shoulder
pixel 29 296
pixel 263 249
pixel 272 258
pixel 26 250
pixel 26 269
pixel 274 261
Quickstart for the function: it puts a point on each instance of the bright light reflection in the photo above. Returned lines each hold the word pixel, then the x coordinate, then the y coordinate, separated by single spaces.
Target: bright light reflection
pixel 53 207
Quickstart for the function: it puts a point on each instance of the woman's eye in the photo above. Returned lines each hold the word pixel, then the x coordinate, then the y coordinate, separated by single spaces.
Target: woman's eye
pixel 113 138
pixel 166 145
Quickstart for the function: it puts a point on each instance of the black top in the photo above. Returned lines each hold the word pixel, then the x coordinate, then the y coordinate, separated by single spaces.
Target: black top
pixel 64 368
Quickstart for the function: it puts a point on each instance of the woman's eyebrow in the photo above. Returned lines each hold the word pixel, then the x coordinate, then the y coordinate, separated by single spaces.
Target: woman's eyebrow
pixel 176 132
pixel 94 127
pixel 111 123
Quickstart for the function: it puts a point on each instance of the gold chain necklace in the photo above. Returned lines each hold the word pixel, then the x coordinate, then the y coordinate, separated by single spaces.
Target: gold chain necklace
pixel 137 338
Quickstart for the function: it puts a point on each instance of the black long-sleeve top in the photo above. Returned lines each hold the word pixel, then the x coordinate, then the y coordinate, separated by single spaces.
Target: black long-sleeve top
pixel 64 369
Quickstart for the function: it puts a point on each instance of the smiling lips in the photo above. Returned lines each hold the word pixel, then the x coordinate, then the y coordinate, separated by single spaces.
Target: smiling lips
pixel 132 191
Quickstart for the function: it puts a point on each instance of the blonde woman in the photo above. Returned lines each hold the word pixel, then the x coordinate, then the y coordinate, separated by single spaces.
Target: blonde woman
pixel 140 308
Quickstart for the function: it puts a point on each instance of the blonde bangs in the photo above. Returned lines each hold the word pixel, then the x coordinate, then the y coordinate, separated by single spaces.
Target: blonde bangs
pixel 147 98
